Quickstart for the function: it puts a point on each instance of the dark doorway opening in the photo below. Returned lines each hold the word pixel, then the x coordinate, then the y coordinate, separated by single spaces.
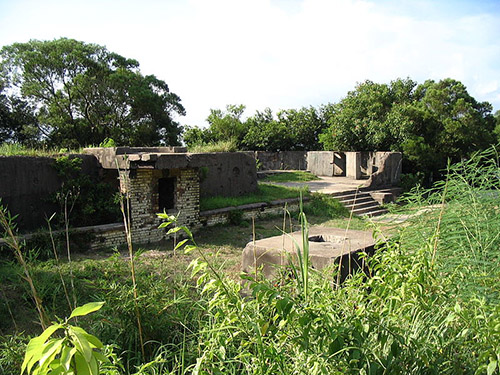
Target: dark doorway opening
pixel 166 193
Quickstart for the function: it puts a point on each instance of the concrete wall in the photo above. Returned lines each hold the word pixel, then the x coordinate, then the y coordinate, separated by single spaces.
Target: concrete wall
pixel 386 169
pixel 282 160
pixel 353 165
pixel 321 163
pixel 228 174
pixel 27 185
pixel 381 168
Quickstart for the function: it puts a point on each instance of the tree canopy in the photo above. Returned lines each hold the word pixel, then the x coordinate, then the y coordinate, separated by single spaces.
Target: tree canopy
pixel 288 130
pixel 80 94
pixel 430 123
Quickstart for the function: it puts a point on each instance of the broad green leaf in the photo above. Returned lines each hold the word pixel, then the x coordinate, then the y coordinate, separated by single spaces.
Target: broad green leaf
pixel 82 366
pixel 491 367
pixel 33 351
pixel 94 367
pixel 187 231
pixel 36 346
pixel 94 341
pixel 86 309
pixel 49 331
pixel 81 344
pixel 51 349
pixel 189 248
pixel 181 243
pixel 174 230
pixel 66 354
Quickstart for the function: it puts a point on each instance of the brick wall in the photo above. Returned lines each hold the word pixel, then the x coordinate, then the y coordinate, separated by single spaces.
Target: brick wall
pixel 142 187
pixel 256 210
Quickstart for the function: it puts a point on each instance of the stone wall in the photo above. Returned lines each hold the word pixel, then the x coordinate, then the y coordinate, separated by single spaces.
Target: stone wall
pixel 256 210
pixel 28 184
pixel 381 168
pixel 281 160
pixel 321 163
pixel 228 174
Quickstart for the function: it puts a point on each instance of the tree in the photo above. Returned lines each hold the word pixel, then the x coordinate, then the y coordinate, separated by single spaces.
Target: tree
pixel 359 122
pixel 83 94
pixel 195 136
pixel 290 130
pixel 497 125
pixel 18 124
pixel 227 125
pixel 430 123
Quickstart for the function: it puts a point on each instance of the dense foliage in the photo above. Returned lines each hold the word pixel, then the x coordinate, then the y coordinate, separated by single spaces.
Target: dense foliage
pixel 428 302
pixel 87 199
pixel 71 94
pixel 289 130
pixel 430 123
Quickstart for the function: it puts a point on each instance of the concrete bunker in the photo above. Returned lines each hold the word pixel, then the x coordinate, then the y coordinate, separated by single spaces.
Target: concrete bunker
pixel 380 168
pixel 167 179
pixel 326 246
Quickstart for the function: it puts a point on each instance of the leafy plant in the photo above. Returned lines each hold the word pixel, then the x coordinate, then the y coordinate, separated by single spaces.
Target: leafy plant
pixel 77 352
pixel 264 193
pixel 90 202
pixel 291 176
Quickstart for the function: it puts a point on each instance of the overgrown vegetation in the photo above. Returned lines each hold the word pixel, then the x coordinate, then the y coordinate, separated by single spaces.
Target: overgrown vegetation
pixel 85 200
pixel 16 149
pixel 295 176
pixel 427 304
pixel 265 193
pixel 220 146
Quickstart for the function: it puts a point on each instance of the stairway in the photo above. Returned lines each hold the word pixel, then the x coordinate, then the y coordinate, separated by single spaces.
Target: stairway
pixel 360 203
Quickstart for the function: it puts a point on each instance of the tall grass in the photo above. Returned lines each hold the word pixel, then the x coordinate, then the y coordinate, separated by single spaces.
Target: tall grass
pixel 265 193
pixel 15 149
pixel 220 146
pixel 427 303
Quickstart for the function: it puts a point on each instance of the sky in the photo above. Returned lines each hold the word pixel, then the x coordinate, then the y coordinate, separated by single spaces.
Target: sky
pixel 280 54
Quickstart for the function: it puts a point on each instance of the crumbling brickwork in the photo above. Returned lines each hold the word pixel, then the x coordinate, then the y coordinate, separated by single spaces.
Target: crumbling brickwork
pixel 141 187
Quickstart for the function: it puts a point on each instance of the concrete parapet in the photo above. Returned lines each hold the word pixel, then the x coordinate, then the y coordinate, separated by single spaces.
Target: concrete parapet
pixel 282 160
pixel 326 246
pixel 353 165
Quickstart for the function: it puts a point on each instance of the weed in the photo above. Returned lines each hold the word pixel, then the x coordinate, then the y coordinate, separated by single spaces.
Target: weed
pixel 265 193
pixel 295 176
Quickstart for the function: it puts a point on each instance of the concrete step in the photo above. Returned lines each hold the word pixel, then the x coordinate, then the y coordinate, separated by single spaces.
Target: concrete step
pixel 359 205
pixel 360 202
pixel 348 197
pixel 345 192
pixel 378 212
pixel 365 210
pixel 353 201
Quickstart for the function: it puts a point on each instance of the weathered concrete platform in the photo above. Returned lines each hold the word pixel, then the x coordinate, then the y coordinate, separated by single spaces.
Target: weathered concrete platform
pixel 326 246
pixel 328 185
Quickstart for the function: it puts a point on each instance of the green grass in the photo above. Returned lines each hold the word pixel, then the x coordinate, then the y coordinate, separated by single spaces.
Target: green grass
pixel 295 176
pixel 15 149
pixel 428 302
pixel 265 193
pixel 221 146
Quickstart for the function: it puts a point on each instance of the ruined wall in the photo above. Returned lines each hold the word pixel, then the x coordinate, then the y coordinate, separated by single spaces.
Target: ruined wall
pixel 141 185
pixel 321 163
pixel 27 185
pixel 386 169
pixel 282 160
pixel 228 174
